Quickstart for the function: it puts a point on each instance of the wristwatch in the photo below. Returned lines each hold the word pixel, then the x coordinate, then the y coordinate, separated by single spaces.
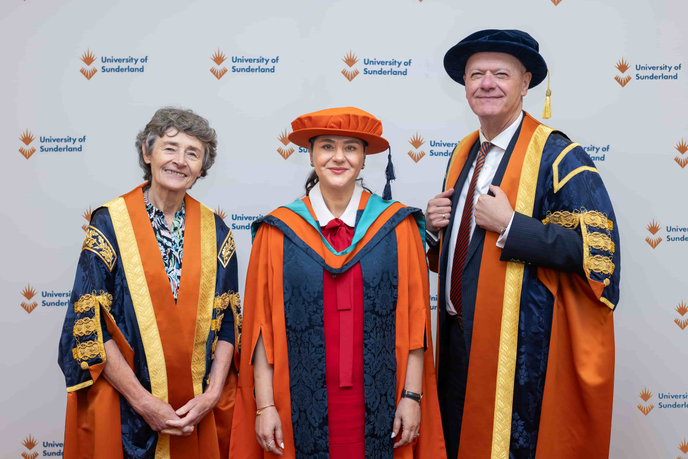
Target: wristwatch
pixel 412 395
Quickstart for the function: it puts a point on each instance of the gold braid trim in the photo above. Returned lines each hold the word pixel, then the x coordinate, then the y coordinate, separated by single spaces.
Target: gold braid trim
pixel 80 386
pixel 91 300
pixel 600 264
pixel 563 218
pixel 601 241
pixel 596 219
pixel 85 326
pixel 97 243
pixel 87 350
pixel 222 302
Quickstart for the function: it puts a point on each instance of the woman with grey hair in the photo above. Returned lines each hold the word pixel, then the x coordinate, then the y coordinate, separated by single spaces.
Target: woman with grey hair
pixel 147 352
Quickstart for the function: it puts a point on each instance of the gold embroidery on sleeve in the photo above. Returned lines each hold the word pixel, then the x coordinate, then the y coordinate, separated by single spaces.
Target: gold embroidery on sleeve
pixel 85 326
pixel 238 319
pixel 89 325
pixel 601 241
pixel 80 386
pixel 227 249
pixel 222 302
pixel 597 219
pixel 97 243
pixel 607 303
pixel 563 218
pixel 600 264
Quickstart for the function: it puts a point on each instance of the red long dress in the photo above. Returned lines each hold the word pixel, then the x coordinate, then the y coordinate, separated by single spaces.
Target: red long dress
pixel 343 315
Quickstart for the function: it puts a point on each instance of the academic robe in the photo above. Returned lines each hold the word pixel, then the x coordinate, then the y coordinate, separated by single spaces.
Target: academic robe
pixel 538 314
pixel 122 291
pixel 284 304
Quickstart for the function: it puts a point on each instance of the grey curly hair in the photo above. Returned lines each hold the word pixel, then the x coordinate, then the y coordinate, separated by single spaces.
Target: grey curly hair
pixel 182 120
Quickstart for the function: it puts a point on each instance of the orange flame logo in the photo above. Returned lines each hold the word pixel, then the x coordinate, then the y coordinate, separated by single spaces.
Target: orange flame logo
pixel 285 152
pixel 682 308
pixel 284 138
pixel 654 242
pixel 417 141
pixel 653 227
pixel 28 293
pixel 622 65
pixel 27 138
pixel 683 162
pixel 29 307
pixel 350 59
pixel 556 2
pixel 220 213
pixel 350 74
pixel 645 394
pixel 27 152
pixel 88 73
pixel 622 81
pixel 88 58
pixel 683 446
pixel 219 73
pixel 646 409
pixel 29 442
pixel 682 323
pixel 26 455
pixel 682 146
pixel 416 156
pixel 219 57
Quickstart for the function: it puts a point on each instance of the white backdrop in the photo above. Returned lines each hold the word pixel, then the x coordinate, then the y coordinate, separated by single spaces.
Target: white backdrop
pixel 300 47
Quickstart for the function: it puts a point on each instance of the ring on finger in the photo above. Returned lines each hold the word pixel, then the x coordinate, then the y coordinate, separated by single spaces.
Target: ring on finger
pixel 443 215
pixel 272 442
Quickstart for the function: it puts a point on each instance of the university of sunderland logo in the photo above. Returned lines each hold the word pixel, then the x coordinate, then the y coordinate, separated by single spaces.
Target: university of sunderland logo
pixel 350 60
pixel 556 2
pixel 87 217
pixel 653 227
pixel 28 293
pixel 682 159
pixel 88 58
pixel 645 407
pixel 27 150
pixel 682 309
pixel 285 150
pixel 622 66
pixel 416 142
pixel 218 58
pixel 29 443
pixel 683 447
pixel 220 213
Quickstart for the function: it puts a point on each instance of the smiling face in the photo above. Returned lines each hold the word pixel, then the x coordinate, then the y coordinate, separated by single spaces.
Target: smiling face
pixel 176 161
pixel 337 161
pixel 495 85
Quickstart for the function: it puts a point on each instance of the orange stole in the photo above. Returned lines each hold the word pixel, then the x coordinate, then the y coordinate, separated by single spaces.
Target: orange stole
pixel 264 314
pixel 176 322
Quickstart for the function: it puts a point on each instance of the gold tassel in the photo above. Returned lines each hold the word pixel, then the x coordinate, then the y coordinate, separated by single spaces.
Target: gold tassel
pixel 547 111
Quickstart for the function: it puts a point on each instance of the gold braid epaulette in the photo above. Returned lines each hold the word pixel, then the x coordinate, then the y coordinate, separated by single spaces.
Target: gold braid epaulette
pixel 227 249
pixel 97 243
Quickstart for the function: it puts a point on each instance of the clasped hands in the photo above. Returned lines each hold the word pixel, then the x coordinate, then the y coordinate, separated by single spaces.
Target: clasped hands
pixel 161 417
pixel 493 213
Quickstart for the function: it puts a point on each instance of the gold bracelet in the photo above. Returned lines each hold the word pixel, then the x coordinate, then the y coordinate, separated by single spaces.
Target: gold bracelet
pixel 259 410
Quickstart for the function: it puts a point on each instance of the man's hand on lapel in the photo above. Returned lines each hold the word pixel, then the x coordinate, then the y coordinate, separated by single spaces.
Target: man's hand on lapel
pixel 493 213
pixel 438 212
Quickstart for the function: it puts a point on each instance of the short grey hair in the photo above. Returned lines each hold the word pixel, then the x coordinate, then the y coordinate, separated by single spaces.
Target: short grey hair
pixel 181 120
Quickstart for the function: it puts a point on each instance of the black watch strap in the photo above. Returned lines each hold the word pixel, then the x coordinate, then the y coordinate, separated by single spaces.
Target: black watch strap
pixel 412 395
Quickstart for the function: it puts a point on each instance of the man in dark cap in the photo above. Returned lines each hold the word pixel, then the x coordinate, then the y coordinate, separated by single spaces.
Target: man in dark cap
pixel 525 242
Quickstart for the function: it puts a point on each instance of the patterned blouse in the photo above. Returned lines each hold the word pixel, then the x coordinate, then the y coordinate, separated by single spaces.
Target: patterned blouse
pixel 170 242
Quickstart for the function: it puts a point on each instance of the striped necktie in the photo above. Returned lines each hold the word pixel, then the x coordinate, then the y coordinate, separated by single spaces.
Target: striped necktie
pixel 464 237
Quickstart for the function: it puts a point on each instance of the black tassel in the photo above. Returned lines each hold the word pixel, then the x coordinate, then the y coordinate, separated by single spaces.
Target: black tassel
pixel 389 172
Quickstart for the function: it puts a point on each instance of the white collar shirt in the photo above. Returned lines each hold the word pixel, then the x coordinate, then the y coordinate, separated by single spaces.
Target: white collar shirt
pixel 323 214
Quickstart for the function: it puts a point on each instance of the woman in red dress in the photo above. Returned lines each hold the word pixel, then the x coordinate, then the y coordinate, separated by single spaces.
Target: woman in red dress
pixel 343 272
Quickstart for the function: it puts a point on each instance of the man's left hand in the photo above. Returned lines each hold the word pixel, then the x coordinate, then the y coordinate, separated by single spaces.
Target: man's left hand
pixel 493 213
pixel 195 410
